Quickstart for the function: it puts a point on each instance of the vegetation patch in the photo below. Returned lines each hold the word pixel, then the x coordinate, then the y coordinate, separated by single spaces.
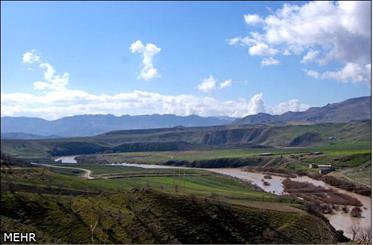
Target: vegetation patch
pixel 320 197
pixel 147 216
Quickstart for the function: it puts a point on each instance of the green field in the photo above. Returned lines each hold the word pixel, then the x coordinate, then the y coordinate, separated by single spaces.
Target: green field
pixel 340 149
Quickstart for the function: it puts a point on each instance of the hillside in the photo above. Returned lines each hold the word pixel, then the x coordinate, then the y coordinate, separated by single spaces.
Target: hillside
pixel 62 208
pixel 89 125
pixel 348 110
pixel 146 216
pixel 180 138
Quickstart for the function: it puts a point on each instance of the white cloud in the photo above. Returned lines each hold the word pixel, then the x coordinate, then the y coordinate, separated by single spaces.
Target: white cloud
pixel 312 73
pixel 290 105
pixel 262 49
pixel 270 61
pixel 148 71
pixel 309 57
pixel 351 72
pixel 30 57
pixel 207 84
pixel 57 104
pixel 252 19
pixel 58 100
pixel 243 41
pixel 226 83
pixel 321 32
pixel 256 104
pixel 51 81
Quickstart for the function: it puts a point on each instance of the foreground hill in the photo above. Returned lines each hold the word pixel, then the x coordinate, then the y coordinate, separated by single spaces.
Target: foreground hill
pixel 152 217
pixel 61 208
pixel 348 110
pixel 180 138
pixel 88 125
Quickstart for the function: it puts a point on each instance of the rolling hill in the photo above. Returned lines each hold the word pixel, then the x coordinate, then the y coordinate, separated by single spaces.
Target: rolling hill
pixel 196 138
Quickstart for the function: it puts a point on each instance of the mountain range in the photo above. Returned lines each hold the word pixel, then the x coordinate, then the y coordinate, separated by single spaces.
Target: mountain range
pixel 345 111
pixel 89 125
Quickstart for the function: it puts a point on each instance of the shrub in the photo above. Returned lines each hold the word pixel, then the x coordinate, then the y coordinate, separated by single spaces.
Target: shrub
pixel 356 212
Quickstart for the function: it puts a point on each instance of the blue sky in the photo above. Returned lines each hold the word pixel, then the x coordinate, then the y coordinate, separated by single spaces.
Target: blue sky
pixel 91 42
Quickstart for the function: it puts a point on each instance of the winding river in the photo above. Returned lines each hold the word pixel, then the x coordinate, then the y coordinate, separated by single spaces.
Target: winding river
pixel 339 220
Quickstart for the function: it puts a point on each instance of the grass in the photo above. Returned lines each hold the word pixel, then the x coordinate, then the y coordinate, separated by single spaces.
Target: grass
pixel 162 157
pixel 212 184
pixel 361 176
pixel 154 217
pixel 99 169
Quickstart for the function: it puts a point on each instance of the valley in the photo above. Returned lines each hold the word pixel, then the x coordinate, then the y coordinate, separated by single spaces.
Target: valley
pixel 268 173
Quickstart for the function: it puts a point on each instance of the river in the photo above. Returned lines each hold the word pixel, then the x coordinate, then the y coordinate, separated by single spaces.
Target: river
pixel 339 220
pixel 66 159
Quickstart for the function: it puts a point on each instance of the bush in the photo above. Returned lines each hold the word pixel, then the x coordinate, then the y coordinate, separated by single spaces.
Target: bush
pixel 356 212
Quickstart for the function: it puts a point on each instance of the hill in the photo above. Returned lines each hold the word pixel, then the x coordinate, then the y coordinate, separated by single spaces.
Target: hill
pixel 89 125
pixel 197 138
pixel 345 111
pixel 153 217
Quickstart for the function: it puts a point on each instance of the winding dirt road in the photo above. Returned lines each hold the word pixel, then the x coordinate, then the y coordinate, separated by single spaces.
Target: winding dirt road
pixel 87 172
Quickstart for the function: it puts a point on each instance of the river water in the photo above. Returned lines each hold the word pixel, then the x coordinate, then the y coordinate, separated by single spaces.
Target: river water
pixel 339 220
pixel 66 159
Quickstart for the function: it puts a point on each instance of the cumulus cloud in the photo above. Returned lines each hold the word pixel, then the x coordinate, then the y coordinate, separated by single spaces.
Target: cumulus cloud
pixel 148 51
pixel 57 104
pixel 51 81
pixel 54 99
pixel 207 84
pixel 320 32
pixel 226 83
pixel 270 61
pixel 309 57
pixel 351 72
pixel 262 49
pixel 252 19
pixel 256 104
pixel 290 105
pixel 30 57
pixel 312 73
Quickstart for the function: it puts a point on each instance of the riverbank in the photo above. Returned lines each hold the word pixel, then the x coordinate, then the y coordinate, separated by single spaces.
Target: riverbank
pixel 339 219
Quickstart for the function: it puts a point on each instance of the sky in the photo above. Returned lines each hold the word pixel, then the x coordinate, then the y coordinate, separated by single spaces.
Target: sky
pixel 205 58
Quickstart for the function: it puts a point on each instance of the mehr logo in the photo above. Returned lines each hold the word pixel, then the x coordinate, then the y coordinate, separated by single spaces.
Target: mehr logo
pixel 19 237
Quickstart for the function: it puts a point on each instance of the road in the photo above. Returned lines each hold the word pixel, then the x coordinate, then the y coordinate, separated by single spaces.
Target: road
pixel 87 172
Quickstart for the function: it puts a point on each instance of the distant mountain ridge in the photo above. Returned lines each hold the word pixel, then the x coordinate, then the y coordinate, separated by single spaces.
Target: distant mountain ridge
pixel 25 136
pixel 345 111
pixel 89 125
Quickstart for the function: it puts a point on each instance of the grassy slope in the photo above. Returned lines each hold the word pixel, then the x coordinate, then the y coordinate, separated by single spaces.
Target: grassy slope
pixel 212 184
pixel 154 217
